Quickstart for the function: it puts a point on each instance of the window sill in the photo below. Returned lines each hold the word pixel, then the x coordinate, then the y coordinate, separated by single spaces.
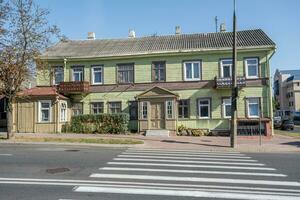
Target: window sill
pixel 96 83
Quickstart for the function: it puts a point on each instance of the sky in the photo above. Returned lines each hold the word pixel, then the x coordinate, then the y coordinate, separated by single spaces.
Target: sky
pixel 113 19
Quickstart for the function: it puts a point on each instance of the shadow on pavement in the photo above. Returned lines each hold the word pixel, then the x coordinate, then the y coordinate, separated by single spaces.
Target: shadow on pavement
pixel 201 144
pixel 296 143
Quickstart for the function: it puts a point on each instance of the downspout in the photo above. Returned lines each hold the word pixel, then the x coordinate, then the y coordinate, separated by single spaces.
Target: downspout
pixel 270 92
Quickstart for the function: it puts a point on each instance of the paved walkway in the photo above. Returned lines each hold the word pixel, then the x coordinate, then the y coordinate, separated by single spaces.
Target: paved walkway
pixel 276 143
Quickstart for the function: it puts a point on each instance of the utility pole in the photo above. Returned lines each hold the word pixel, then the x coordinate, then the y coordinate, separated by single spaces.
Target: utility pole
pixel 234 91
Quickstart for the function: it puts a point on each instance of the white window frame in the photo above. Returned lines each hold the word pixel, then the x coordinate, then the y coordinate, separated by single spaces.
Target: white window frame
pixel 55 72
pixel 93 74
pixel 82 73
pixel 248 109
pixel 199 108
pixel 63 118
pixel 246 68
pixel 144 111
pixel 222 68
pixel 224 104
pixel 167 104
pixel 40 110
pixel 193 78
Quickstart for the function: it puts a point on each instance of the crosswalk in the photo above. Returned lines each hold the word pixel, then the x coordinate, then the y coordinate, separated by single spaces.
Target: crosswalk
pixel 191 173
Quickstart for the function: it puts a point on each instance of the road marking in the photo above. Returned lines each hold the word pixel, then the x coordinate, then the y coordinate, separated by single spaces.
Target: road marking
pixel 226 195
pixel 185 158
pixel 186 155
pixel 5 154
pixel 189 161
pixel 188 165
pixel 196 179
pixel 179 150
pixel 191 171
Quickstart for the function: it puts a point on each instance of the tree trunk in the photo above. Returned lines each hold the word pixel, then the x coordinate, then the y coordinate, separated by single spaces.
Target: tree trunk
pixel 9 118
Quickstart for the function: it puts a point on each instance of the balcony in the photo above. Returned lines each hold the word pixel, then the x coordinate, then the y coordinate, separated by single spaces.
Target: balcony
pixel 74 87
pixel 227 82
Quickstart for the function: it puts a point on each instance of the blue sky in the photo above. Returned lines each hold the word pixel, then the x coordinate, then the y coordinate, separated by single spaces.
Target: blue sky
pixel 113 18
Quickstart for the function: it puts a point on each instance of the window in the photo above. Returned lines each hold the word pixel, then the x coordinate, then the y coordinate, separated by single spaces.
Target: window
pixel 169 109
pixel 125 73
pixel 158 71
pixel 115 107
pixel 77 109
pixel 97 107
pixel 45 111
pixel 183 108
pixel 192 70
pixel 97 75
pixel 226 66
pixel 253 107
pixel 144 114
pixel 204 108
pixel 58 75
pixel 133 110
pixel 251 67
pixel 227 107
pixel 77 74
pixel 63 112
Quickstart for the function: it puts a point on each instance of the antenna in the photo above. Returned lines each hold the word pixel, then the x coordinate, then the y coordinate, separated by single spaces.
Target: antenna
pixel 216 23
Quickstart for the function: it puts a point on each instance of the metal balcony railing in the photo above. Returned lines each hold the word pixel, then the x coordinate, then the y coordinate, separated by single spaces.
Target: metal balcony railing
pixel 74 87
pixel 227 82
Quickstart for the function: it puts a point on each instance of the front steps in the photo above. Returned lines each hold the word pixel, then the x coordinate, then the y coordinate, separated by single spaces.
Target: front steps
pixel 160 133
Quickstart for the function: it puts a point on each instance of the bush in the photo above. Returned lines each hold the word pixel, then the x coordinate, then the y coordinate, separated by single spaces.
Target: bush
pixel 184 131
pixel 100 123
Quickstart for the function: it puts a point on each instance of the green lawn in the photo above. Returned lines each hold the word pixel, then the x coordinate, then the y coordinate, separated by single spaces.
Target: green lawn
pixel 294 133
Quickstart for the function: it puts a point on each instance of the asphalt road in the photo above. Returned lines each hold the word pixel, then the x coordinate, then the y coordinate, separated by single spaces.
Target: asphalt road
pixel 42 172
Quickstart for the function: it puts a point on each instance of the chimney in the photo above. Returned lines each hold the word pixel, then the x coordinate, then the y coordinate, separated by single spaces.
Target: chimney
pixel 131 33
pixel 91 36
pixel 222 27
pixel 177 30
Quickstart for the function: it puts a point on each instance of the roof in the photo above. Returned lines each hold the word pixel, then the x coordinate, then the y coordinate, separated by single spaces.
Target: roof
pixel 41 91
pixel 157 44
pixel 292 78
pixel 291 72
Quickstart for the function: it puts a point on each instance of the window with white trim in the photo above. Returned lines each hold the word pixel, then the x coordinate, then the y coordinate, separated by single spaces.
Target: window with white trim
pixel 192 70
pixel 58 75
pixel 226 107
pixel 204 108
pixel 97 75
pixel 251 67
pixel 226 67
pixel 45 111
pixel 144 113
pixel 169 109
pixel 253 107
pixel 63 112
pixel 97 107
pixel 77 74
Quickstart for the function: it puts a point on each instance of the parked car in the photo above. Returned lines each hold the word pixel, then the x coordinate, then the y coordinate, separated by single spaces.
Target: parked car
pixel 287 125
pixel 277 122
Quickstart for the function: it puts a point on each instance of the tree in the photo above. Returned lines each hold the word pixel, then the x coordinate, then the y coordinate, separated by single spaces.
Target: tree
pixel 26 32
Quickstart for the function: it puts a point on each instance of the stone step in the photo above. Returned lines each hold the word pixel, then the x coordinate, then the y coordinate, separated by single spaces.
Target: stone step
pixel 160 133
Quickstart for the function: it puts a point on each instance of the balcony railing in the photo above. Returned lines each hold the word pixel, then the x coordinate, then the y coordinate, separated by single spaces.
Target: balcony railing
pixel 227 82
pixel 74 87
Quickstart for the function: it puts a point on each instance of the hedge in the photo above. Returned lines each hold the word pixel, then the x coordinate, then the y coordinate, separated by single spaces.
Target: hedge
pixel 100 123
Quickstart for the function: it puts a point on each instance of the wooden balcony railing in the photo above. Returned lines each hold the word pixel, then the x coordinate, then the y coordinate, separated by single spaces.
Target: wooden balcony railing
pixel 227 82
pixel 74 87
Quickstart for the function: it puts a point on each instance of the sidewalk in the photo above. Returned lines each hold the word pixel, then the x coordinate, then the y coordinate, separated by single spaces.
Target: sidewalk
pixel 276 143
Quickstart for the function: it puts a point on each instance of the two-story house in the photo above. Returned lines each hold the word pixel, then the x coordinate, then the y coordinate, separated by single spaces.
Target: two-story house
pixel 160 81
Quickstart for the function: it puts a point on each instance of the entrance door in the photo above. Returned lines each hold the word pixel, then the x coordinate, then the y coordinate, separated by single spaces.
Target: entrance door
pixel 157 115
pixel 25 117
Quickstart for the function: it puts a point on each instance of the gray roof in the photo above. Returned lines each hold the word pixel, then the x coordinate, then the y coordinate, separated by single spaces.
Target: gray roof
pixel 291 72
pixel 157 44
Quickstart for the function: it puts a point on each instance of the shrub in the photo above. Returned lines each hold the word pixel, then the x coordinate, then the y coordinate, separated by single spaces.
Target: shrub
pixel 100 123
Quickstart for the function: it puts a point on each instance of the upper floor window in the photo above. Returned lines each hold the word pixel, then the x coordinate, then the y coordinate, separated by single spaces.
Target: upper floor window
pixel 44 111
pixel 226 67
pixel 251 67
pixel 58 75
pixel 158 71
pixel 226 107
pixel 192 70
pixel 77 109
pixel 125 73
pixel 77 74
pixel 204 108
pixel 97 107
pixel 133 110
pixel 183 108
pixel 63 111
pixel 114 107
pixel 253 107
pixel 97 75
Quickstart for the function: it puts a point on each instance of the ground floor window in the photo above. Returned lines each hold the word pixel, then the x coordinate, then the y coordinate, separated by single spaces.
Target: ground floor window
pixel 169 109
pixel 144 113
pixel 114 107
pixel 183 108
pixel 226 107
pixel 97 107
pixel 44 110
pixel 253 107
pixel 63 111
pixel 77 109
pixel 133 110
pixel 204 108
